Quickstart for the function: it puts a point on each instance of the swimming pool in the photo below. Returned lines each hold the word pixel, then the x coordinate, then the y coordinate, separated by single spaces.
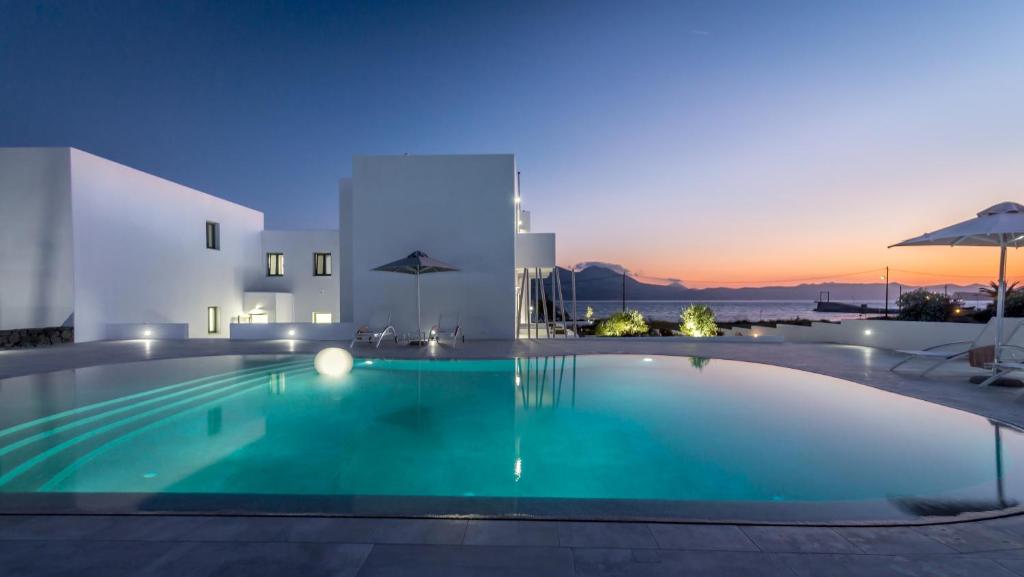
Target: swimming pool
pixel 599 436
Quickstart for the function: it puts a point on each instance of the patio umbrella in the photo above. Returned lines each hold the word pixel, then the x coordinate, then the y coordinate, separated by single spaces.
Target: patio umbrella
pixel 1000 226
pixel 417 263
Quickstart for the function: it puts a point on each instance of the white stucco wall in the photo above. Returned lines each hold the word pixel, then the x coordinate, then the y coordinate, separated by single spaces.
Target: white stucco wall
pixel 36 280
pixel 535 249
pixel 310 293
pixel 457 208
pixel 907 335
pixel 140 250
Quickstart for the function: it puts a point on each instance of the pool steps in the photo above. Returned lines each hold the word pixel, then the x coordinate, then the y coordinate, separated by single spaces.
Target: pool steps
pixel 250 378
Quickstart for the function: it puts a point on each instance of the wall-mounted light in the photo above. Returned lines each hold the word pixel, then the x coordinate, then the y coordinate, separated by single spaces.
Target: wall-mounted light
pixel 147 333
pixel 867 332
pixel 291 332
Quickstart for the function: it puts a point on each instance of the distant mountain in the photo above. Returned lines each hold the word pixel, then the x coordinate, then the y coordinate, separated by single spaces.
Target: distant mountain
pixel 599 282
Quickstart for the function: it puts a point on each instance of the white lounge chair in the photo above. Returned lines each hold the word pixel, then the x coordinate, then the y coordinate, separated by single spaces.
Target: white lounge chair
pixel 447 327
pixel 376 330
pixel 942 354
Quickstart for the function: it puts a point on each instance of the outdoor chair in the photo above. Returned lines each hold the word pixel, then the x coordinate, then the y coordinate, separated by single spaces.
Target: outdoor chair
pixel 942 354
pixel 448 327
pixel 376 330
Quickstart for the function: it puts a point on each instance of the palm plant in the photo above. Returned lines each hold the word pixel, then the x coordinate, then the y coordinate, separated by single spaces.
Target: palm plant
pixel 993 289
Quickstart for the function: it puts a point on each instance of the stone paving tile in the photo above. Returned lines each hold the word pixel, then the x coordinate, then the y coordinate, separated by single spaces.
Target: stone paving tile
pixel 892 541
pixel 1013 525
pixel 82 558
pixel 635 563
pixel 456 561
pixel 611 535
pixel 812 565
pixel 258 559
pixel 148 528
pixel 1000 554
pixel 1014 565
pixel 19 527
pixel 972 537
pixel 398 531
pixel 702 537
pixel 799 540
pixel 523 533
pixel 242 529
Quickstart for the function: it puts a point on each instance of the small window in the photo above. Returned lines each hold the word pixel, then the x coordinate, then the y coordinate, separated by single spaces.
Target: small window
pixel 321 264
pixel 323 318
pixel 213 235
pixel 212 320
pixel 275 264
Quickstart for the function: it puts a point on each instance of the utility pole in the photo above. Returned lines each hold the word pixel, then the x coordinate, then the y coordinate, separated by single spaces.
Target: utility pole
pixel 623 290
pixel 886 292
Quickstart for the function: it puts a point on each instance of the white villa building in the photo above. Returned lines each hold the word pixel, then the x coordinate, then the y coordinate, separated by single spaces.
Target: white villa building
pixel 121 254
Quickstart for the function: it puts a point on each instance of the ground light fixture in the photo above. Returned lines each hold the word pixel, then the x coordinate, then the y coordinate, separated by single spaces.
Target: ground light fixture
pixel 333 362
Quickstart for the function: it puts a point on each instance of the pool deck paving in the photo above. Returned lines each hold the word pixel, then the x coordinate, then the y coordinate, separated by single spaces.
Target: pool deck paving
pixel 143 545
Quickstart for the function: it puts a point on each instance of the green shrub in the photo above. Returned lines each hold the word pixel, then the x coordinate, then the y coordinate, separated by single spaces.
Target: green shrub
pixel 922 305
pixel 698 321
pixel 625 324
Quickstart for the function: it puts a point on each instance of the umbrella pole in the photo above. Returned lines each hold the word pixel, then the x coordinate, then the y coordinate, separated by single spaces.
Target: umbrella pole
pixel 419 328
pixel 1001 304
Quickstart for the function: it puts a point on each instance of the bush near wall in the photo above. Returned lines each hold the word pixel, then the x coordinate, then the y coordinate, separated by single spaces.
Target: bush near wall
pixel 923 305
pixel 698 321
pixel 31 338
pixel 628 323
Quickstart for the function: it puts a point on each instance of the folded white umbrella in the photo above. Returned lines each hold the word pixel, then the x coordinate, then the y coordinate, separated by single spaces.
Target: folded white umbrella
pixel 1000 226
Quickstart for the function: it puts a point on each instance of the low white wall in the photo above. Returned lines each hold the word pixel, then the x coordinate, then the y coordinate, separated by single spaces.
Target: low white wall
pixel 128 331
pixel 908 335
pixel 296 331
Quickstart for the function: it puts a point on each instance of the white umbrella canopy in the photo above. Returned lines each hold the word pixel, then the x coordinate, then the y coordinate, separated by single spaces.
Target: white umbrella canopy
pixel 1000 226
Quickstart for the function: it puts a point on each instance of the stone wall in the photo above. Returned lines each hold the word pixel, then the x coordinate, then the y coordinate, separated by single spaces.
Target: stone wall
pixel 30 338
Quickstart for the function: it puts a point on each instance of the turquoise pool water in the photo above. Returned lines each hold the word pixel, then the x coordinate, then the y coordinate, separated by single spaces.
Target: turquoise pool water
pixel 614 435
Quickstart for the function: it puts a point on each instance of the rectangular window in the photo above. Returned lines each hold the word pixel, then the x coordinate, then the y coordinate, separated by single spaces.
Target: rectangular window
pixel 212 320
pixel 213 235
pixel 321 264
pixel 323 318
pixel 275 264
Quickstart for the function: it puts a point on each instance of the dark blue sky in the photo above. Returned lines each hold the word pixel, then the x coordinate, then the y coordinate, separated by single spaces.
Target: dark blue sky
pixel 646 131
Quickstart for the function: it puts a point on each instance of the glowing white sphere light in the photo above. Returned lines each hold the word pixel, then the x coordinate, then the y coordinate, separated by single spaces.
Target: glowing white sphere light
pixel 333 362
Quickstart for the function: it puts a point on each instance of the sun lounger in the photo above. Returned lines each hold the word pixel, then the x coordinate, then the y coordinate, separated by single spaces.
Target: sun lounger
pixel 376 331
pixel 447 327
pixel 942 354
